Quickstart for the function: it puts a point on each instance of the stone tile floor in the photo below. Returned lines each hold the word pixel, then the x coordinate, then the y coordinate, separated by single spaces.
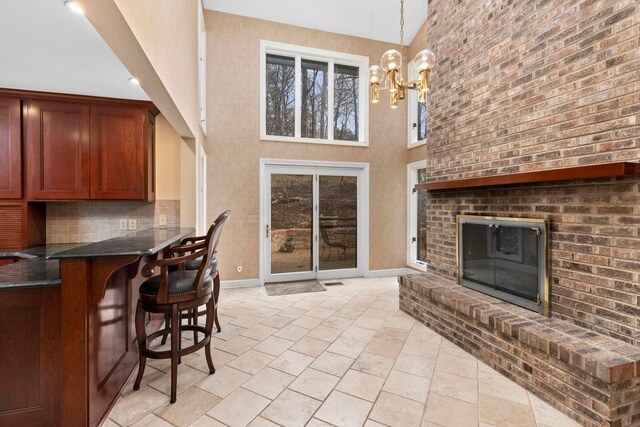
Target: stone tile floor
pixel 345 357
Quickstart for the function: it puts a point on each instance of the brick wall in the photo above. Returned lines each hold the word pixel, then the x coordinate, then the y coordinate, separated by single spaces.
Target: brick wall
pixel 525 85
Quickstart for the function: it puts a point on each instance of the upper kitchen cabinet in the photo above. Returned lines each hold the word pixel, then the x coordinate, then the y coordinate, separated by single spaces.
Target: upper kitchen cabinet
pixel 79 148
pixel 58 150
pixel 10 149
pixel 122 153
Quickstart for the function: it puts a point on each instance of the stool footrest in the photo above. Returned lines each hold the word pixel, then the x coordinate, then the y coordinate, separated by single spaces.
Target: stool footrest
pixel 166 354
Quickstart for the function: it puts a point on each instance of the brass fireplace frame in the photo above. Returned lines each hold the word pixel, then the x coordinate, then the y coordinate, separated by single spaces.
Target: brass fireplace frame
pixel 546 307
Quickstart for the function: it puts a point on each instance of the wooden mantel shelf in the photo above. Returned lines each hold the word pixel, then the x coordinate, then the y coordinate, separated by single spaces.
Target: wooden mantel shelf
pixel 605 170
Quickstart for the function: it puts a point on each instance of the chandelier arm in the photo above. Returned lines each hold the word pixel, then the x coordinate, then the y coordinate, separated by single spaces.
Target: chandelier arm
pixel 401 23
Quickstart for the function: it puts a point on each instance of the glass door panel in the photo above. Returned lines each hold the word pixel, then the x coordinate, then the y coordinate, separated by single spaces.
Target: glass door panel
pixel 312 227
pixel 479 254
pixel 291 234
pixel 338 222
pixel 517 263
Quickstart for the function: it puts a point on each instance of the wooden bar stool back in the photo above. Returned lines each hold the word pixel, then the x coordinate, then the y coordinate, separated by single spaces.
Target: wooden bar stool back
pixel 187 244
pixel 173 292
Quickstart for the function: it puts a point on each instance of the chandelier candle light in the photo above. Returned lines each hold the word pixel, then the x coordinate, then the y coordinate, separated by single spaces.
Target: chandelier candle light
pixel 389 69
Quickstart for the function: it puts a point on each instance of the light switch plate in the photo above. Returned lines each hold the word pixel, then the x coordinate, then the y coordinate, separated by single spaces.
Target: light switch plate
pixel 133 224
pixel 123 224
pixel 162 220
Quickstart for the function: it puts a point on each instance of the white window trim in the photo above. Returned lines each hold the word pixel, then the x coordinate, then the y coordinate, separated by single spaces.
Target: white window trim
pixel 299 52
pixel 412 205
pixel 202 70
pixel 412 112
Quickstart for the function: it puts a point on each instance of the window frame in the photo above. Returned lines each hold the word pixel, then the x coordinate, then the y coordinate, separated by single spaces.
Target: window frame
pixel 331 57
pixel 412 111
pixel 412 213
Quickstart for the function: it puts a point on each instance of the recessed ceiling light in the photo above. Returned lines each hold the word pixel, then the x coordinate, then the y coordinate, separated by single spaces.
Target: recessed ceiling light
pixel 134 80
pixel 74 6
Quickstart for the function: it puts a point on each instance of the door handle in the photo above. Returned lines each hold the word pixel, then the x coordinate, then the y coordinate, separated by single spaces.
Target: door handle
pixel 267 227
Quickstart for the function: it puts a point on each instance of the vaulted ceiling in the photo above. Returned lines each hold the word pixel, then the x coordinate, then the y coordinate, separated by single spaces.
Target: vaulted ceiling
pixel 371 19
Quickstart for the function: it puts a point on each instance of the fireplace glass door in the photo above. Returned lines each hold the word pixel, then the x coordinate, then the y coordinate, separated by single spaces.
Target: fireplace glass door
pixel 503 259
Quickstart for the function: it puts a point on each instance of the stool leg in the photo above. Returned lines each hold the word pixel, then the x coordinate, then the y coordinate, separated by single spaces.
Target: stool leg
pixel 194 320
pixel 175 336
pixel 216 295
pixel 179 337
pixel 166 327
pixel 207 334
pixel 141 337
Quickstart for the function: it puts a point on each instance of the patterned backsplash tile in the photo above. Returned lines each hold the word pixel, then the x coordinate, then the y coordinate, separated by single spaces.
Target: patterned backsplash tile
pixel 80 222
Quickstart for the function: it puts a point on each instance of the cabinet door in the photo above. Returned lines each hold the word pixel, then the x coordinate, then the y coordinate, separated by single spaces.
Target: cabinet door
pixel 10 149
pixel 118 153
pixel 58 150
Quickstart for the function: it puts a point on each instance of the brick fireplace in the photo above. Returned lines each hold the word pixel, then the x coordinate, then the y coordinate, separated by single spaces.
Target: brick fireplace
pixel 524 86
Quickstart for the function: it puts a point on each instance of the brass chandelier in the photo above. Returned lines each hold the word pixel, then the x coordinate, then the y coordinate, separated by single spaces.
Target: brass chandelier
pixel 388 72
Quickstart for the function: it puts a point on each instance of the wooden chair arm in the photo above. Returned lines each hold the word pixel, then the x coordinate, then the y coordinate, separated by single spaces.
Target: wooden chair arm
pixel 147 270
pixel 183 249
pixel 192 240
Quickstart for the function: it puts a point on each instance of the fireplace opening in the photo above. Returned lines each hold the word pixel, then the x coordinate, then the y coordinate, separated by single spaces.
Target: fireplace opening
pixel 505 258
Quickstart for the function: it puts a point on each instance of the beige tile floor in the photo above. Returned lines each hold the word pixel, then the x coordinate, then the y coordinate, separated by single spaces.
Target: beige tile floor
pixel 345 357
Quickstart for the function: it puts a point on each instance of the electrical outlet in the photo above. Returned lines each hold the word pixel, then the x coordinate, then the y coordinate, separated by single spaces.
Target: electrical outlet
pixel 133 224
pixel 123 224
pixel 162 220
pixel 239 267
pixel 253 219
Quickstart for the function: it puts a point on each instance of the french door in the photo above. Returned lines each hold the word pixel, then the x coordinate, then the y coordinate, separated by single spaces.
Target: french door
pixel 313 222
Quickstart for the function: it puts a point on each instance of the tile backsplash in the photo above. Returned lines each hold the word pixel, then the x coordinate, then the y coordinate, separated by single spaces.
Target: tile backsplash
pixel 80 222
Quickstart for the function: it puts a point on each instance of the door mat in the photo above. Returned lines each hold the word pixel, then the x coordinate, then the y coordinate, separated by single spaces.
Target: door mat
pixel 290 288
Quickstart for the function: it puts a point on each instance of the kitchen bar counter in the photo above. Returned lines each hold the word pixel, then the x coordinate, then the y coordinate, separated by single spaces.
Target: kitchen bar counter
pixel 142 243
pixel 41 266
pixel 68 329
pixel 34 270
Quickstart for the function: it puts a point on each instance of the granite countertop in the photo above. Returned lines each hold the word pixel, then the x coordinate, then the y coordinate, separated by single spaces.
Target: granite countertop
pixel 35 270
pixel 42 266
pixel 142 243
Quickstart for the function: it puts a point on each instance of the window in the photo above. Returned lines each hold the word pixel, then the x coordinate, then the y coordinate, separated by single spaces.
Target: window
pixel 312 95
pixel 417 216
pixel 417 111
pixel 202 69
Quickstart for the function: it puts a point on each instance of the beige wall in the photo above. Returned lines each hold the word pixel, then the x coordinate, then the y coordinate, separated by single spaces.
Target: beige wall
pixel 167 30
pixel 168 144
pixel 234 146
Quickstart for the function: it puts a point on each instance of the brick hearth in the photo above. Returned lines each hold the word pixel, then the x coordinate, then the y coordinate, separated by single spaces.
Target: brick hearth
pixel 592 377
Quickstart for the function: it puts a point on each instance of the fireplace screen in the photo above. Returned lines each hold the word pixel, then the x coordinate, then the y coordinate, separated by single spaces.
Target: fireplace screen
pixel 505 258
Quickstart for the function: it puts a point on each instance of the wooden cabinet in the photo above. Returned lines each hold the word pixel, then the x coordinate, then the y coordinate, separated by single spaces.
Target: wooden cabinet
pixel 122 146
pixel 59 147
pixel 58 150
pixel 10 149
pixel 22 224
pixel 81 149
pixel 30 334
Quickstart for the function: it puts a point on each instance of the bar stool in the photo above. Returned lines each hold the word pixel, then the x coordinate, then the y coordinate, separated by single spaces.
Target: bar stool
pixel 185 248
pixel 172 293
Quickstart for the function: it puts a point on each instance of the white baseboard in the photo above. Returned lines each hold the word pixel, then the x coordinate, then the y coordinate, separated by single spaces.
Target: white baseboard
pixel 243 283
pixel 390 272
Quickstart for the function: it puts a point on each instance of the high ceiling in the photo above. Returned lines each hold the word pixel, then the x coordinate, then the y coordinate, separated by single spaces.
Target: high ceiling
pixel 371 19
pixel 48 47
